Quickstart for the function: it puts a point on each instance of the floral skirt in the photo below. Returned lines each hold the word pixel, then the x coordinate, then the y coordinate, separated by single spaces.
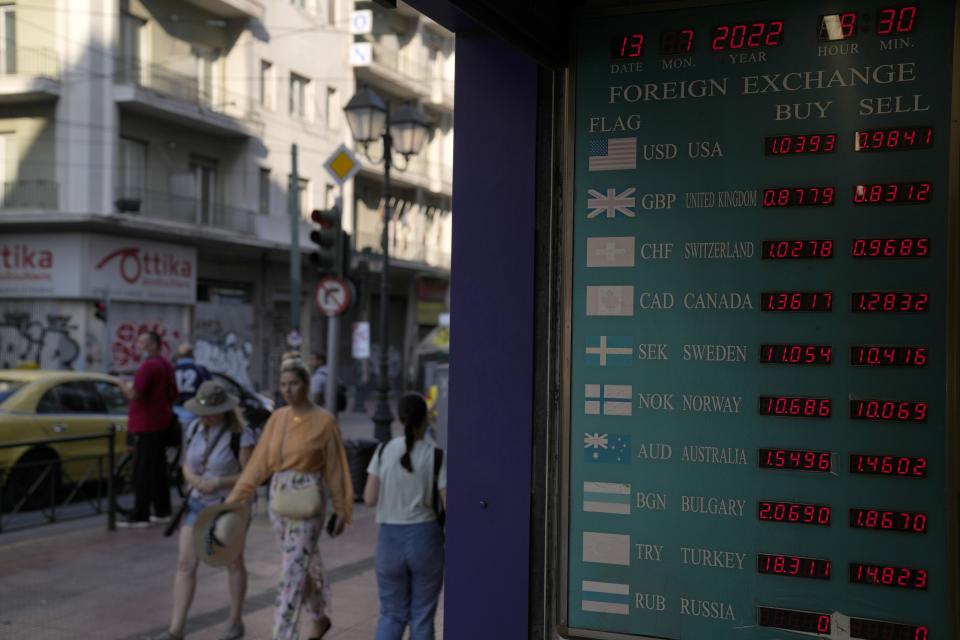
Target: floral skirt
pixel 303 581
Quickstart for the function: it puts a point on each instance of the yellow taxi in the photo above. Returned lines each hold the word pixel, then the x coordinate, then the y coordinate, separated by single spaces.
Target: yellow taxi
pixel 40 405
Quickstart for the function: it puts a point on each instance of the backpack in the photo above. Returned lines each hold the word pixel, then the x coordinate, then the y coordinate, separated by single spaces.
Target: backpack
pixel 234 440
pixel 438 508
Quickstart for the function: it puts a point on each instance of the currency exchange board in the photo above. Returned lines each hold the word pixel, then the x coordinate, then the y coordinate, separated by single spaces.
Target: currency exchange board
pixel 758 396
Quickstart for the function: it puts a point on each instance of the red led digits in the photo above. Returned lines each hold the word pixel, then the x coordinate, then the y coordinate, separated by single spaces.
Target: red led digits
pixel 795 460
pixel 894 466
pixel 796 354
pixel 676 42
pixel 837 26
pixel 793 620
pixel 794 407
pixel 796 249
pixel 626 46
pixel 870 355
pixel 747 35
pixel 890 301
pixel 884 575
pixel 885 520
pixel 800 144
pixel 891 247
pixel 893 139
pixel 892 193
pixel 798 197
pixel 793 512
pixel 888 410
pixel 793 566
pixel 895 21
pixel 862 629
pixel 792 301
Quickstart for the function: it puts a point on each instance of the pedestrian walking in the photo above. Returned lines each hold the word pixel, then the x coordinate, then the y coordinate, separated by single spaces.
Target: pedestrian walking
pixel 217 445
pixel 189 374
pixel 149 417
pixel 406 481
pixel 301 447
pixel 318 377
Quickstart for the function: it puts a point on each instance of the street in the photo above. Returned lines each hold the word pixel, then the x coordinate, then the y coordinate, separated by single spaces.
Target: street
pixel 77 580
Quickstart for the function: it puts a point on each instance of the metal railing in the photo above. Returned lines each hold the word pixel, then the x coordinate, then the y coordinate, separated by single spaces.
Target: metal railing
pixel 29 61
pixel 189 88
pixel 190 210
pixel 61 500
pixel 404 249
pixel 29 194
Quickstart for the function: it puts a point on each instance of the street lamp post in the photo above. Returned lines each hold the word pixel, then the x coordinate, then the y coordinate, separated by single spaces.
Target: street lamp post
pixel 406 132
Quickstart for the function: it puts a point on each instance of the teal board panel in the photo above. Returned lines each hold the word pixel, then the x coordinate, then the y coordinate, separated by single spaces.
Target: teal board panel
pixel 671 176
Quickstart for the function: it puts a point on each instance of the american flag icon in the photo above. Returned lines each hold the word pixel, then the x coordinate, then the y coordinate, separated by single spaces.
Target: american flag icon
pixel 613 154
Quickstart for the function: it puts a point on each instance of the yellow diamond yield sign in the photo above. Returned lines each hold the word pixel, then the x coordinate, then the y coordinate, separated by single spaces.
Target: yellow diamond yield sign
pixel 342 164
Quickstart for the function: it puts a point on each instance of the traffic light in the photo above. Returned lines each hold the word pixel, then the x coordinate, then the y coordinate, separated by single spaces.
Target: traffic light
pixel 100 310
pixel 325 236
pixel 333 245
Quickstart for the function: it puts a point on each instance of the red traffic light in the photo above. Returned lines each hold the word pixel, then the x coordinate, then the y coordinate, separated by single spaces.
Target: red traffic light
pixel 326 218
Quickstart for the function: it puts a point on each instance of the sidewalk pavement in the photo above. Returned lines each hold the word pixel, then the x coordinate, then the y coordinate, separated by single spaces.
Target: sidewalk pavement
pixel 78 580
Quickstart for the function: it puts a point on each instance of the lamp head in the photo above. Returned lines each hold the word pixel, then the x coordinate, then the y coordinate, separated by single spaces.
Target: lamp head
pixel 409 129
pixel 367 116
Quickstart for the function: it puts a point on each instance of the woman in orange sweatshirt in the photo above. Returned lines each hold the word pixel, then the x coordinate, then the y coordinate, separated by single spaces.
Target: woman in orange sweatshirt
pixel 301 447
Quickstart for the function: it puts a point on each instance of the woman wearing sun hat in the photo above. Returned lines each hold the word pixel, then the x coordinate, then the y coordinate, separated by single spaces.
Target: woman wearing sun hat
pixel 217 445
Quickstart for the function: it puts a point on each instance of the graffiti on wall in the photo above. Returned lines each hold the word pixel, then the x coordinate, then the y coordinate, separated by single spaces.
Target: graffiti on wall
pixel 223 339
pixel 47 342
pixel 226 353
pixel 123 342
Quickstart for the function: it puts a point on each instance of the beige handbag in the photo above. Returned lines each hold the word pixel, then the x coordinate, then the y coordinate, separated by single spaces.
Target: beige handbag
pixel 290 502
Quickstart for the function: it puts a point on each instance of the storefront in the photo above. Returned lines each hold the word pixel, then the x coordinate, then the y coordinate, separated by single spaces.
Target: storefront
pixel 79 300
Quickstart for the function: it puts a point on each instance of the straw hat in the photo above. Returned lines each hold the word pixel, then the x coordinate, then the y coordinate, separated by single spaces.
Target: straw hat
pixel 220 532
pixel 212 398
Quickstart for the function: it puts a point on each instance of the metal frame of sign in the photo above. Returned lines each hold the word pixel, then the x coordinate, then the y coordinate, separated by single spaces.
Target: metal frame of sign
pixel 559 515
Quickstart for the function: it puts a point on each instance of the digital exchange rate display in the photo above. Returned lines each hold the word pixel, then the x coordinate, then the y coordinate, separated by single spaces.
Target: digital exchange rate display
pixel 759 266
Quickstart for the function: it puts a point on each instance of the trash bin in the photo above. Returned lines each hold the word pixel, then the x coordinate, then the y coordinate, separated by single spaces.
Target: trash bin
pixel 359 452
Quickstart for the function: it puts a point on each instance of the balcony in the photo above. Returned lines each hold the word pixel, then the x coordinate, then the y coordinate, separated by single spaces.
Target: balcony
pixel 231 8
pixel 190 210
pixel 397 71
pixel 157 91
pixel 411 250
pixel 29 194
pixel 29 74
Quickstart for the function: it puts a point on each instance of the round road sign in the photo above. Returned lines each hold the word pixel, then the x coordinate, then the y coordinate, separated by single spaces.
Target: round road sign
pixel 332 296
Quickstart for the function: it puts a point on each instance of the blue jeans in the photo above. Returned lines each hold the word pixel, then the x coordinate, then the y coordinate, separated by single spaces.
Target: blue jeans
pixel 409 578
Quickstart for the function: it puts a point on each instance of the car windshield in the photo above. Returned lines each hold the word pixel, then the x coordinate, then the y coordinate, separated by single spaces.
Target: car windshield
pixel 8 388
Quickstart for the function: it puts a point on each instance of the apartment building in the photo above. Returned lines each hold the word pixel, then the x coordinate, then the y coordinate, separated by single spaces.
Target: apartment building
pixel 146 150
pixel 405 57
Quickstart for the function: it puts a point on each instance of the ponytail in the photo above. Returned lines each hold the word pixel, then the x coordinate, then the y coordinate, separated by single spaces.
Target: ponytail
pixel 412 410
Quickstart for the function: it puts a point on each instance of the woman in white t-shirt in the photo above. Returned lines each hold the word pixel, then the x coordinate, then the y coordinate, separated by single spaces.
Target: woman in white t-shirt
pixel 410 544
pixel 217 445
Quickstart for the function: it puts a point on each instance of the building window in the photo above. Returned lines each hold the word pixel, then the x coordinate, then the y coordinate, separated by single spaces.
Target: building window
pixel 332 12
pixel 304 199
pixel 298 96
pixel 208 76
pixel 131 55
pixel 204 172
pixel 329 196
pixel 332 108
pixel 264 191
pixel 132 169
pixel 8 39
pixel 266 85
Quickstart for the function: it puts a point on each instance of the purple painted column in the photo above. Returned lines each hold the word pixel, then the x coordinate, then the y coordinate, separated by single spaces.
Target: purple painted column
pixel 488 529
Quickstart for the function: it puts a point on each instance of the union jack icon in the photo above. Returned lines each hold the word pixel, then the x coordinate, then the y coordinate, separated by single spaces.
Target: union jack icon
pixel 611 203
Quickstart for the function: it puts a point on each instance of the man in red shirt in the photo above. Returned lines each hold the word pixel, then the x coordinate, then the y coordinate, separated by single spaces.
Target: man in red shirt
pixel 151 396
